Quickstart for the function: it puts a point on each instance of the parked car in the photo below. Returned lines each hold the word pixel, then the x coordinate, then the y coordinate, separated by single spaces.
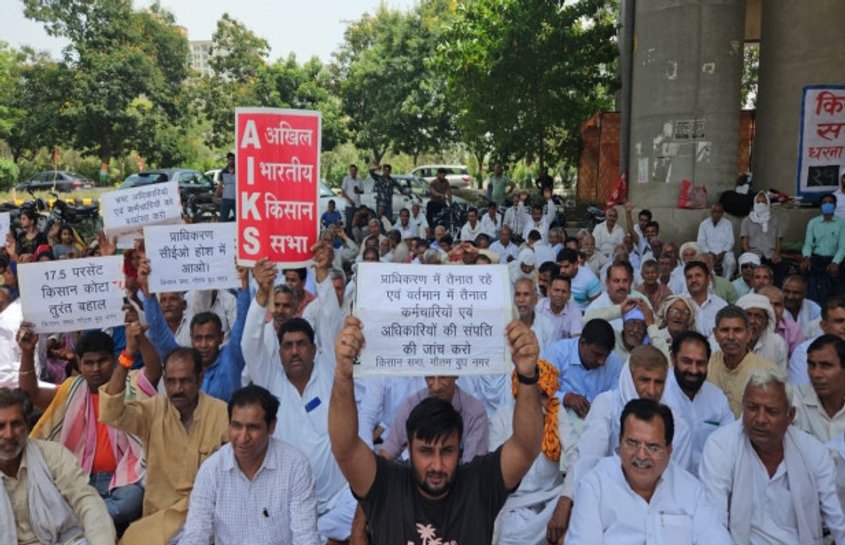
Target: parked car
pixel 415 189
pixel 458 175
pixel 214 175
pixel 55 180
pixel 190 181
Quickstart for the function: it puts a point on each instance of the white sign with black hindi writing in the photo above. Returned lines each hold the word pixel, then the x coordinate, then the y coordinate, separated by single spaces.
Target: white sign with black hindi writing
pixel 433 320
pixel 5 222
pixel 128 210
pixel 188 257
pixel 72 294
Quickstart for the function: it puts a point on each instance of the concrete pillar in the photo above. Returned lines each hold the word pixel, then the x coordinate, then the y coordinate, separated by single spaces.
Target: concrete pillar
pixel 687 69
pixel 801 43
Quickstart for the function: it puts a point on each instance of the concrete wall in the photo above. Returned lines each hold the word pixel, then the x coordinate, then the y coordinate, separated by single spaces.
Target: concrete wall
pixel 685 109
pixel 801 43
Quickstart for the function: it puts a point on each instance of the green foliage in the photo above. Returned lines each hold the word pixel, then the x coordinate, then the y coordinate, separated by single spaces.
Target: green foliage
pixel 9 173
pixel 525 74
pixel 750 71
pixel 391 97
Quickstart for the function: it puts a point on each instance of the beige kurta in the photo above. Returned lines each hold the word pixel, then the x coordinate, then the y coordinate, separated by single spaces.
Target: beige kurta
pixel 173 456
pixel 732 381
pixel 72 484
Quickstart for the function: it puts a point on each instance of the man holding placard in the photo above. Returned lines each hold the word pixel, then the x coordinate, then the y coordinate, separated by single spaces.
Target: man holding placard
pixel 462 501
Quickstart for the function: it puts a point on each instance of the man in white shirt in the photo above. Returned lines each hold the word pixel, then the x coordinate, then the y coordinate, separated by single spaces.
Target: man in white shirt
pixel 472 228
pixel 620 277
pixel 820 405
pixel 491 222
pixel 699 403
pixel 303 387
pixel 504 246
pixel 772 482
pixel 608 234
pixel 802 310
pixel 525 301
pixel 537 220
pixel 255 489
pixel 419 221
pixel 404 226
pixel 560 309
pixel 761 317
pixel 707 303
pixel 832 323
pixel 716 236
pixel 641 495
pixel 351 189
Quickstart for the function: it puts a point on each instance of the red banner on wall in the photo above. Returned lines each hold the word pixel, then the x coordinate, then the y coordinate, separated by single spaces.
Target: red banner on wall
pixel 277 167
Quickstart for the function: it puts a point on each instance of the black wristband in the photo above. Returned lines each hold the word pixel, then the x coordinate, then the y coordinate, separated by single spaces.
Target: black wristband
pixel 528 380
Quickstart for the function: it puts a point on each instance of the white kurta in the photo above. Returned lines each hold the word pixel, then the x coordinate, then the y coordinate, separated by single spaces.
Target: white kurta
pixel 717 239
pixel 706 313
pixel 704 413
pixel 811 417
pixel 607 511
pixel 607 240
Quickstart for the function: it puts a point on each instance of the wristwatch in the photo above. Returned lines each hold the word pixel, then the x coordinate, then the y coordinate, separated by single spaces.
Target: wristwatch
pixel 528 380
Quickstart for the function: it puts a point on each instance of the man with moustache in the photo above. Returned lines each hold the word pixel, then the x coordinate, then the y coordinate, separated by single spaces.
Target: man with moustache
pixel 620 276
pixel 178 430
pixel 820 405
pixel 45 496
pixel 700 404
pixel 642 495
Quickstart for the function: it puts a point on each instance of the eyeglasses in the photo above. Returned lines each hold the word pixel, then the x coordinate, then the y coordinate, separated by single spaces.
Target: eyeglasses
pixel 635 446
pixel 678 311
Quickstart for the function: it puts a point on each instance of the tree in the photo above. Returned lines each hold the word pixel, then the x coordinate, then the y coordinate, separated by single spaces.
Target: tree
pixel 393 100
pixel 526 74
pixel 116 56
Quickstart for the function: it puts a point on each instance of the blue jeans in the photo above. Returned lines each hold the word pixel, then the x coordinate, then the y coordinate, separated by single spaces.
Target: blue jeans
pixel 124 502
pixel 227 208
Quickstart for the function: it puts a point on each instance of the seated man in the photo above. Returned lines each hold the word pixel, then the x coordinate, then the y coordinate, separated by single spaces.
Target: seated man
pixel 461 501
pixel 805 312
pixel 746 262
pixel 586 364
pixel 560 308
pixel 823 251
pixel 772 482
pixel 641 495
pixel 707 303
pixel 534 513
pixel 473 415
pixel 832 323
pixel 620 278
pixel 50 501
pixel 730 366
pixel 585 286
pixel 716 237
pixel 785 327
pixel 256 489
pixel 222 364
pixel 179 430
pixel 472 228
pixel 504 246
pixel 820 405
pixel 761 318
pixel 112 458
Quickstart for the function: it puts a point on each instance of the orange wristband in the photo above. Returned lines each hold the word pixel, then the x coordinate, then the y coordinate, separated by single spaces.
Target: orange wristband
pixel 125 360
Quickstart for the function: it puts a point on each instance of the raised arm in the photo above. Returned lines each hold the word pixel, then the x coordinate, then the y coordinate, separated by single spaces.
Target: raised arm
pixel 27 379
pixel 551 208
pixel 261 362
pixel 136 341
pixel 159 333
pixel 520 451
pixel 357 462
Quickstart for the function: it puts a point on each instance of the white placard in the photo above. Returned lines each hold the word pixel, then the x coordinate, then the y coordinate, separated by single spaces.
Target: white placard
pixel 128 210
pixel 433 320
pixel 126 241
pixel 821 153
pixel 72 294
pixel 189 257
pixel 5 222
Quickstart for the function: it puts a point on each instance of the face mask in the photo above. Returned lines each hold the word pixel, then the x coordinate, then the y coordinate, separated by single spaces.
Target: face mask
pixel 828 208
pixel 760 207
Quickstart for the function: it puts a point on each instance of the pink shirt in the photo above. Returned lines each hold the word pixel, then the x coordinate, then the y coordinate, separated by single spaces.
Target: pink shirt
pixel 790 331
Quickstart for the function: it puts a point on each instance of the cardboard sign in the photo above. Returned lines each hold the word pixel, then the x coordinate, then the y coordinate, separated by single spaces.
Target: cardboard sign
pixel 188 257
pixel 72 294
pixel 425 320
pixel 821 160
pixel 128 210
pixel 278 172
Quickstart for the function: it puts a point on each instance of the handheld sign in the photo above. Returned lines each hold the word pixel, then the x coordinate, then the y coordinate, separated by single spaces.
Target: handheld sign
pixel 188 257
pixel 278 172
pixel 72 294
pixel 5 222
pixel 424 320
pixel 128 210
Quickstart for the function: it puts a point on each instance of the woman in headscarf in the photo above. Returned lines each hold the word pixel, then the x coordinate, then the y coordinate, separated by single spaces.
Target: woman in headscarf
pixel 759 233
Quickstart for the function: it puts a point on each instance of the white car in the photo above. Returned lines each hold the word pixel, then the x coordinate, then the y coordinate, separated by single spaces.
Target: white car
pixel 415 188
pixel 458 175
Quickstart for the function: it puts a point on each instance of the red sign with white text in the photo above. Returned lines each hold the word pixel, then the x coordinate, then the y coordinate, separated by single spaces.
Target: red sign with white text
pixel 277 167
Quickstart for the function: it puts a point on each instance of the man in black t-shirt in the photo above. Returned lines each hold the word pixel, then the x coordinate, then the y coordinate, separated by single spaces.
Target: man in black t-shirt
pixel 434 498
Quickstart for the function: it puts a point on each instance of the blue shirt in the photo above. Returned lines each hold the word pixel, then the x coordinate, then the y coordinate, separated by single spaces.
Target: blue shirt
pixel 222 377
pixel 330 218
pixel 576 378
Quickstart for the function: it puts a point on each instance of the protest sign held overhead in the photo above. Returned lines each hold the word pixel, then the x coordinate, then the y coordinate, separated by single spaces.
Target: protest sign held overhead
pixel 189 257
pixel 128 210
pixel 72 294
pixel 423 320
pixel 278 172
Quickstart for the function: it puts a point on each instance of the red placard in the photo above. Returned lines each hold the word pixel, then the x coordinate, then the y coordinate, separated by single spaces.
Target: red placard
pixel 278 172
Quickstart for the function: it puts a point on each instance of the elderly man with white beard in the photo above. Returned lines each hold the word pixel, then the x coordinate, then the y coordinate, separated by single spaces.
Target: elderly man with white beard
pixel 772 482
